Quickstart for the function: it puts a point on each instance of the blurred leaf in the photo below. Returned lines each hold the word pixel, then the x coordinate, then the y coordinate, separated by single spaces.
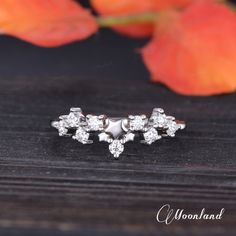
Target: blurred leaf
pixel 194 52
pixel 46 23
pixel 132 7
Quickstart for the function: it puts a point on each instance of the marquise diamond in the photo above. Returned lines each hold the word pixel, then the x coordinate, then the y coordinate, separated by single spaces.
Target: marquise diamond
pixel 116 148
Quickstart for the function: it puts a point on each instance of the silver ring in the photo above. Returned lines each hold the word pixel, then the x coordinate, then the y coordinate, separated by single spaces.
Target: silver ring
pixel 117 130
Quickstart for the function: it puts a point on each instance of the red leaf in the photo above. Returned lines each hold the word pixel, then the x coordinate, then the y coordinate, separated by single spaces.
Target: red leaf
pixel 194 52
pixel 46 23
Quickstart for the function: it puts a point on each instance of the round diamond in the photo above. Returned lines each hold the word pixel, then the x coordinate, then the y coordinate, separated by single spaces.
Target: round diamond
pixel 137 123
pixel 151 136
pixel 172 127
pixel 94 123
pixel 60 126
pixel 73 120
pixel 81 135
pixel 159 120
pixel 116 148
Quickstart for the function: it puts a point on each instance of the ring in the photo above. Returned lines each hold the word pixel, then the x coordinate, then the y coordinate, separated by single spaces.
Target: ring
pixel 117 130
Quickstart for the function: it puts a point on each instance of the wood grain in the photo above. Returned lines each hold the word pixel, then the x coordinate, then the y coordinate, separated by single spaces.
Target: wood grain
pixel 55 186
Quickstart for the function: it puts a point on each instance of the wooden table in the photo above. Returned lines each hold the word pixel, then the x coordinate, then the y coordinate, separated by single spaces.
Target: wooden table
pixel 55 186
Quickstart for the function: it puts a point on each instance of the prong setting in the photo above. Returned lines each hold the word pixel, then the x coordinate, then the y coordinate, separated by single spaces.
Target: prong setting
pixel 116 131
pixel 95 123
pixel 137 123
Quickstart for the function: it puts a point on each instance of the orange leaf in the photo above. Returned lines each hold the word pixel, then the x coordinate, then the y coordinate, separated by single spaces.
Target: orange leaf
pixel 194 52
pixel 46 23
pixel 125 7
pixel 129 7
pixel 170 4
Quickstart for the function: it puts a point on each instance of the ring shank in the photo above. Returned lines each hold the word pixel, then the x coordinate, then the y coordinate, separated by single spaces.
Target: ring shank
pixel 181 123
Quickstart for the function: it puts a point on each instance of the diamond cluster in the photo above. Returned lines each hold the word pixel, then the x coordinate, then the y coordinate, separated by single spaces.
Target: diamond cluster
pixel 161 121
pixel 78 124
pixel 66 122
pixel 117 131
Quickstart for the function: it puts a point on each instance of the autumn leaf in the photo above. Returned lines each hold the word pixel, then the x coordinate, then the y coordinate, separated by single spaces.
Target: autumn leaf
pixel 194 52
pixel 126 7
pixel 47 23
pixel 131 7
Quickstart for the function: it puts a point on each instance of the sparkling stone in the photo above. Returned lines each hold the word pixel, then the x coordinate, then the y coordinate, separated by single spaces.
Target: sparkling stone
pixel 159 120
pixel 81 135
pixel 60 126
pixel 151 136
pixel 116 148
pixel 73 119
pixel 172 127
pixel 137 123
pixel 94 123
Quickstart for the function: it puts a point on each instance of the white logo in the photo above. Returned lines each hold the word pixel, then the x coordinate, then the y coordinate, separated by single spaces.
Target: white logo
pixel 167 215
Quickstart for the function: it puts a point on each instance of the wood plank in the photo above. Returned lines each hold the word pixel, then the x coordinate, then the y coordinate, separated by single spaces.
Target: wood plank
pixel 55 186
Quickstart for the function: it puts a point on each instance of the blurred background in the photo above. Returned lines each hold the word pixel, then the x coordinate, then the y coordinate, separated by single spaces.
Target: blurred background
pixel 55 186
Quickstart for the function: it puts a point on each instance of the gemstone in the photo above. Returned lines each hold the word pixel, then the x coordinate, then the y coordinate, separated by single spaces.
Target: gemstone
pixel 151 136
pixel 81 135
pixel 60 126
pixel 116 148
pixel 73 120
pixel 94 123
pixel 137 123
pixel 159 120
pixel 172 127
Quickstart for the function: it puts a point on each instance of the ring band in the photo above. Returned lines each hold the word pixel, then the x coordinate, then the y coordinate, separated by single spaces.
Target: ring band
pixel 117 130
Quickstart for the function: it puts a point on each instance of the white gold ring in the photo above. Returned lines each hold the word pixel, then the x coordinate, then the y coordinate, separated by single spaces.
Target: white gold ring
pixel 117 130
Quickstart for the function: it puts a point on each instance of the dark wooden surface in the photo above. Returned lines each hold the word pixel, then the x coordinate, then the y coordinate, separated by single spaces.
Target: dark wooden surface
pixel 55 186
